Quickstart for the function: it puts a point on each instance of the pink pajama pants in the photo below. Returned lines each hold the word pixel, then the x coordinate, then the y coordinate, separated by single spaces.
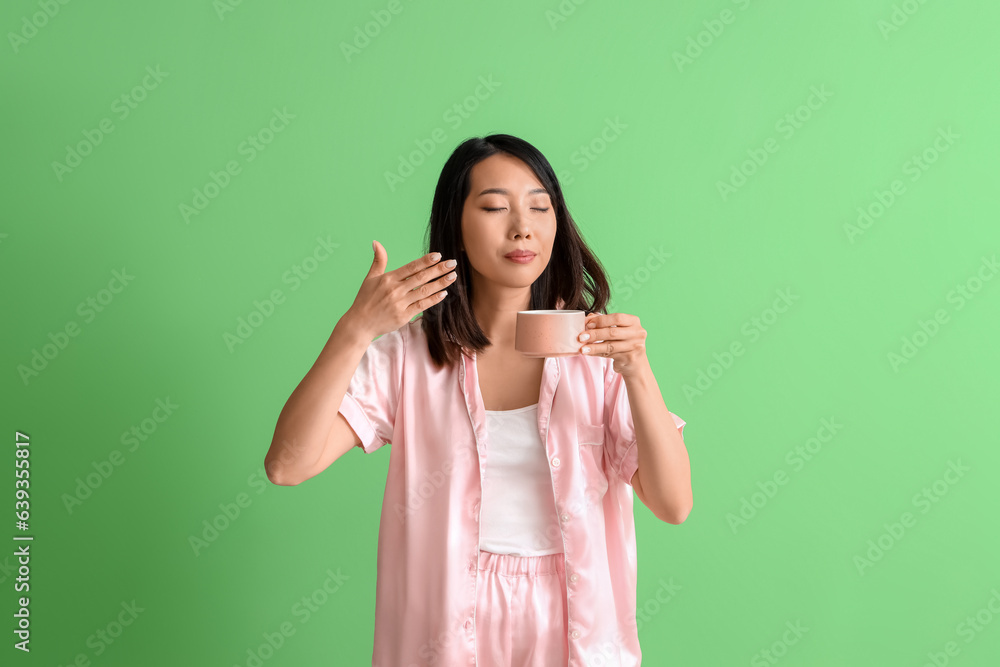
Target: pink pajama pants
pixel 521 611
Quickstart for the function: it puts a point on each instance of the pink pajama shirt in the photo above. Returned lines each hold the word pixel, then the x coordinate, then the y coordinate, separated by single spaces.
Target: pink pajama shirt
pixel 432 577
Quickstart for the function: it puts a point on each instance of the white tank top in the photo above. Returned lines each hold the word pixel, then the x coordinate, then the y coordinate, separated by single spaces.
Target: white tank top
pixel 518 512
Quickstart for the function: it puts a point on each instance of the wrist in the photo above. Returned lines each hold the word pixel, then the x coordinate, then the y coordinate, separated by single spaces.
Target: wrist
pixel 640 372
pixel 350 333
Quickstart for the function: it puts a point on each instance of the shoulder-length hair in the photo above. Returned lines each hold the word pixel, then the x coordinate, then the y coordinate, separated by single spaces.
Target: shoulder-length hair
pixel 573 280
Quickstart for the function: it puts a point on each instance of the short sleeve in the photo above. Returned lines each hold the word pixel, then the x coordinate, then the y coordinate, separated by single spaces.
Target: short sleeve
pixel 619 428
pixel 369 405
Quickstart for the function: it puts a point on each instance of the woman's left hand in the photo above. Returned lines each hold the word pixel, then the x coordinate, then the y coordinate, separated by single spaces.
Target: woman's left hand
pixel 615 335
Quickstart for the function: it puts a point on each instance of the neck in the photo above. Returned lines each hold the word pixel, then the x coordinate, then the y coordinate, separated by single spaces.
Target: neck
pixel 497 313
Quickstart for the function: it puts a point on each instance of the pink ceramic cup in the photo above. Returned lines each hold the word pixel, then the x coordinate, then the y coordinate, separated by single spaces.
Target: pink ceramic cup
pixel 549 333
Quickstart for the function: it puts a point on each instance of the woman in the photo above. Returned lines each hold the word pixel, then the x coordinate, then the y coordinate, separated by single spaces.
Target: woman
pixel 507 534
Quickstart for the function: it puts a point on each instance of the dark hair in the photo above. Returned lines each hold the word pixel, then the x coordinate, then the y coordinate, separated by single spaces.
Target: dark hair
pixel 574 275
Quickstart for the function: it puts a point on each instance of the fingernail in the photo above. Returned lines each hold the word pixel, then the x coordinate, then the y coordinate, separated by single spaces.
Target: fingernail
pixel 435 256
pixel 586 349
pixel 451 264
pixel 584 336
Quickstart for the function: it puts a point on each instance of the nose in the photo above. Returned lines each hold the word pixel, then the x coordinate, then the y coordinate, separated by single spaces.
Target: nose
pixel 520 225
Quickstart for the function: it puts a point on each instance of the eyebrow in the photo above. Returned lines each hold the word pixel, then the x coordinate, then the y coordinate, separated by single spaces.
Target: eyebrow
pixel 502 191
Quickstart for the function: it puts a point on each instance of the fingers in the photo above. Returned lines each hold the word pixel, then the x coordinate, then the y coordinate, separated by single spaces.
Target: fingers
pixel 425 303
pixel 426 292
pixel 434 272
pixel 612 332
pixel 410 270
pixel 430 280
pixel 379 261
pixel 608 349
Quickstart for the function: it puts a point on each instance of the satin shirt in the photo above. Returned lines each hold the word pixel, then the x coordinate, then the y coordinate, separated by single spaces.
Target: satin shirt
pixel 428 545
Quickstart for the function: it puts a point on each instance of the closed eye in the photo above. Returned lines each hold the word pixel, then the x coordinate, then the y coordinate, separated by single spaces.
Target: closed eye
pixel 543 210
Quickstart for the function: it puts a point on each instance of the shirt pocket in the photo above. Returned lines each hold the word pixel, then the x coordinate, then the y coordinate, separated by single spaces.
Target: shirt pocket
pixel 590 443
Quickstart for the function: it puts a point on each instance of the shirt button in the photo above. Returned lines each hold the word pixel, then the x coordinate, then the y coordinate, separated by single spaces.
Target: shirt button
pixel 574 576
pixel 575 634
pixel 468 625
pixel 555 461
pixel 565 517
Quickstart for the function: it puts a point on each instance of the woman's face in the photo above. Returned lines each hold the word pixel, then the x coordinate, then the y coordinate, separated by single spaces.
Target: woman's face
pixel 507 209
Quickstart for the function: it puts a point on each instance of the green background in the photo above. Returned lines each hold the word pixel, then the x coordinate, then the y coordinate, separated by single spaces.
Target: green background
pixel 682 128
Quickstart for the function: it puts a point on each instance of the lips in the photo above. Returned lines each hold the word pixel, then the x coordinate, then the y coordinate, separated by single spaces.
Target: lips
pixel 520 253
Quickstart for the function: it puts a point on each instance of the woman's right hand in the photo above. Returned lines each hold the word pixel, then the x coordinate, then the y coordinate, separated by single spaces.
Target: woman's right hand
pixel 387 301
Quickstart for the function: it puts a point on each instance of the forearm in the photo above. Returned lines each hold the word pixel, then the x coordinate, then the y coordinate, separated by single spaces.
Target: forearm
pixel 664 467
pixel 309 413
